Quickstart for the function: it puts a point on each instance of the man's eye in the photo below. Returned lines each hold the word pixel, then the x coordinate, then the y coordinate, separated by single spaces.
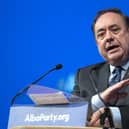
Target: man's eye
pixel 100 36
pixel 115 30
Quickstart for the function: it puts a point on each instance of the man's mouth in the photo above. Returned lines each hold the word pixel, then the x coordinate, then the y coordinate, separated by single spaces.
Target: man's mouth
pixel 112 48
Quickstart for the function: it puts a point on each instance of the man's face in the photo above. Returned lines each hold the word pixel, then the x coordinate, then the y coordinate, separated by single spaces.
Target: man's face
pixel 112 37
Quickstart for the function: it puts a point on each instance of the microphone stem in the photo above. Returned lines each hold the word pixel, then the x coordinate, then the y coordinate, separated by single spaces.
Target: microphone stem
pixel 37 80
pixel 31 84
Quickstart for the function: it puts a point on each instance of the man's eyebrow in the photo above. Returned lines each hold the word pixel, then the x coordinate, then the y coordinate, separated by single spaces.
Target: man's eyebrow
pixel 114 25
pixel 100 30
pixel 111 26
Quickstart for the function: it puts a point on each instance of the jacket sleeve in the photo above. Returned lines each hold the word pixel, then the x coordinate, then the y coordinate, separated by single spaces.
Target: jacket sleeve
pixel 125 116
pixel 79 92
pixel 76 89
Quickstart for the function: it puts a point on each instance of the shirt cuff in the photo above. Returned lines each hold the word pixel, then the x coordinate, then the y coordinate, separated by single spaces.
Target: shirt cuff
pixel 116 117
pixel 96 103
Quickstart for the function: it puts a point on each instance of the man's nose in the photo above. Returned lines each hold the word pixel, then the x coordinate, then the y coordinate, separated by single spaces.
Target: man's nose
pixel 109 37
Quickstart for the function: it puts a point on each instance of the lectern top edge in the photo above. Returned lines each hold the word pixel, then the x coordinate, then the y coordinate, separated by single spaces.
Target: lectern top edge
pixel 53 127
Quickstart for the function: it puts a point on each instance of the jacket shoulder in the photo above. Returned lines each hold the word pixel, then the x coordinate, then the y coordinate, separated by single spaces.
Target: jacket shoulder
pixel 94 66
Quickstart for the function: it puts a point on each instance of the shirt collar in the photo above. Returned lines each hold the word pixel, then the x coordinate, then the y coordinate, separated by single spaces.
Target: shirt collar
pixel 124 67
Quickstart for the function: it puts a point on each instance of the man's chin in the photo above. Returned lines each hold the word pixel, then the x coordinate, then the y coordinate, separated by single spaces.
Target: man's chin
pixel 115 56
pixel 116 61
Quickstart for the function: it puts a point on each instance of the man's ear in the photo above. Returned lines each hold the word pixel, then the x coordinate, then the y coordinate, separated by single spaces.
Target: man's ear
pixel 128 29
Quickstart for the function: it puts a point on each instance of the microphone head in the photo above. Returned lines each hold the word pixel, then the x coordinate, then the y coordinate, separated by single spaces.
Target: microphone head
pixel 58 66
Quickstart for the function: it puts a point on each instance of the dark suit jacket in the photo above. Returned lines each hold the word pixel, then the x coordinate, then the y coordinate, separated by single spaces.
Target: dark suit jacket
pixel 93 79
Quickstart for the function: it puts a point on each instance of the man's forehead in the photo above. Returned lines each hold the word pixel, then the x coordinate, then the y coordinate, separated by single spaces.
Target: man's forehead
pixel 108 19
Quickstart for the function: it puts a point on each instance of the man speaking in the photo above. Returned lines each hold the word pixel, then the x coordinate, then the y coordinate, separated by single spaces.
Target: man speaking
pixel 106 85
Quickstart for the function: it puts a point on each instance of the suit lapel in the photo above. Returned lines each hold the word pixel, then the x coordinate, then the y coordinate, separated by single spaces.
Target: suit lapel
pixel 124 101
pixel 100 75
pixel 127 74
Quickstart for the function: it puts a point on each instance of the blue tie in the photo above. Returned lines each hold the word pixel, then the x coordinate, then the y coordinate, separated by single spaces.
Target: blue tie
pixel 116 76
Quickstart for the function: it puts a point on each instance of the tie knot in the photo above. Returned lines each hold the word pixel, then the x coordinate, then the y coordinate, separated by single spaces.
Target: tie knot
pixel 116 76
pixel 117 70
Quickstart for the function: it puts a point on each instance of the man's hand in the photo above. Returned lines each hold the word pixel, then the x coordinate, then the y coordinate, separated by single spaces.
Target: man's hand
pixel 95 119
pixel 113 93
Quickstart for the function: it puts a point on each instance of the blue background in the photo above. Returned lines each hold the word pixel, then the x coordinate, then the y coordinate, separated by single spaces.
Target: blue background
pixel 35 35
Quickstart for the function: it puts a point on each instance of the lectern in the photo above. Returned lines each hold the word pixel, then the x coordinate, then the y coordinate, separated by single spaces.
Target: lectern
pixel 72 115
pixel 52 127
pixel 31 117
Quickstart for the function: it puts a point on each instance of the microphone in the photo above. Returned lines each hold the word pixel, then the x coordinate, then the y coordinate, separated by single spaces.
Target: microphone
pixel 56 67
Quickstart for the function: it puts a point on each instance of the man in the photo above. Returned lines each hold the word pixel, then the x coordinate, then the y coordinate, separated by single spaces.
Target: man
pixel 95 82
